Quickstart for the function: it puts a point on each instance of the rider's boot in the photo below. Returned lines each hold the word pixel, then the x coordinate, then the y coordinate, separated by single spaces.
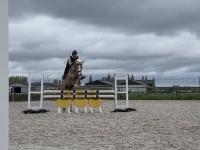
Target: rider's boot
pixel 65 73
pixel 82 76
pixel 64 77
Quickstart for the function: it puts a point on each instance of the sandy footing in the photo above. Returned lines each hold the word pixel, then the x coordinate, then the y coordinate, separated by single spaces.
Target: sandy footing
pixel 156 125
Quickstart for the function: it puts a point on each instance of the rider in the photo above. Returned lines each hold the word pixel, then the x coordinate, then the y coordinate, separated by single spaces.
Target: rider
pixel 70 61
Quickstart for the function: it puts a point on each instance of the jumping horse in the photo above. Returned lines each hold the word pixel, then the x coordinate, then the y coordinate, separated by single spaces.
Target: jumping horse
pixel 73 77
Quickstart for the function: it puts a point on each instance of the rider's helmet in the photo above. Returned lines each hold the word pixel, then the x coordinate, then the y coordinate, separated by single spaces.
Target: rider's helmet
pixel 74 53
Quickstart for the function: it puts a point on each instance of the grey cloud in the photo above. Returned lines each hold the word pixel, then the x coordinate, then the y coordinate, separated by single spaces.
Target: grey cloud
pixel 37 52
pixel 130 16
pixel 194 68
pixel 101 50
pixel 142 37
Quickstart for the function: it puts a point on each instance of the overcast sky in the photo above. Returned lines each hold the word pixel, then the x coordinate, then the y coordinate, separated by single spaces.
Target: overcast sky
pixel 142 37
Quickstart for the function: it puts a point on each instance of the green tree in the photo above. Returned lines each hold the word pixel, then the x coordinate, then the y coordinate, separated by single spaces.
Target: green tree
pixel 145 77
pixel 90 78
pixel 17 79
pixel 55 81
pixel 154 84
pixel 108 77
pixel 132 77
pixel 59 82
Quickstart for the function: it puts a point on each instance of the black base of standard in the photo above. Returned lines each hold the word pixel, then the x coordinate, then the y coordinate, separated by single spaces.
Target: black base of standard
pixel 124 110
pixel 32 111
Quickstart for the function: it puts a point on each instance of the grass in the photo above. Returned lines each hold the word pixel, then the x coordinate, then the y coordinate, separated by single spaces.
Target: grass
pixel 132 96
pixel 164 96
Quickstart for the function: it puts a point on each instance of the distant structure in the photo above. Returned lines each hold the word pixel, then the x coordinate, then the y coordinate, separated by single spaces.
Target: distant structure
pixel 134 85
pixel 150 83
pixel 23 87
pixel 18 88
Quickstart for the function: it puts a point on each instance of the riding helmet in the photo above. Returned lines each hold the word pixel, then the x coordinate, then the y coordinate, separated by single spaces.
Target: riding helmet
pixel 74 52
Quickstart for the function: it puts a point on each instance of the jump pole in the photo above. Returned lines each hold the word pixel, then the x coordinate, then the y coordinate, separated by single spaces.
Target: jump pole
pixel 124 78
pixel 35 92
pixel 122 108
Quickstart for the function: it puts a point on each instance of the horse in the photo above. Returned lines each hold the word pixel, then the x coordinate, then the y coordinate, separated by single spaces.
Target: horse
pixel 73 77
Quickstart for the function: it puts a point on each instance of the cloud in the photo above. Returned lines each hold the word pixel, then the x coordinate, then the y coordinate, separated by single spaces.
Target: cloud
pixel 144 16
pixel 151 37
pixel 56 38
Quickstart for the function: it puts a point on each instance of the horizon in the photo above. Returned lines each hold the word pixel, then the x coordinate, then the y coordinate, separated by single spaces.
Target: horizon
pixel 160 82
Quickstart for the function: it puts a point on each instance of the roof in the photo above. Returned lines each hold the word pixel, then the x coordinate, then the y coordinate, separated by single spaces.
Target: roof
pixel 99 82
pixel 111 83
pixel 18 85
pixel 32 84
pixel 147 82
pixel 135 82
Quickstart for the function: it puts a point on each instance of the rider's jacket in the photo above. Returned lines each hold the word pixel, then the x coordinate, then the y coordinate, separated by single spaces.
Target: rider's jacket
pixel 71 60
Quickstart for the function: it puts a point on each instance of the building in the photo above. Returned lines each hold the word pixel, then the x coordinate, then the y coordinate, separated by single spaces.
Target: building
pixel 18 88
pixel 99 84
pixel 150 83
pixel 134 86
pixel 35 86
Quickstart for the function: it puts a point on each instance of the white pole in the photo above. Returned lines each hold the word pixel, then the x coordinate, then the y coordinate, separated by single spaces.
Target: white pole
pixel 91 110
pixel 59 110
pixel 29 91
pixel 127 104
pixel 100 110
pixel 76 109
pixel 115 92
pixel 41 90
pixel 85 110
pixel 69 110
pixel 125 78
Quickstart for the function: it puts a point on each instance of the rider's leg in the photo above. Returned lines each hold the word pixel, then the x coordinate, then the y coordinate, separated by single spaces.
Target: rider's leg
pixel 82 76
pixel 66 71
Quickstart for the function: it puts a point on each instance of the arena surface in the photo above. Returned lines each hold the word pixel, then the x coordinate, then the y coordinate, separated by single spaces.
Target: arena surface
pixel 156 125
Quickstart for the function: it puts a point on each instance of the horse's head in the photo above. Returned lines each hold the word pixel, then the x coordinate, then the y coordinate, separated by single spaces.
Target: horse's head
pixel 73 77
pixel 77 67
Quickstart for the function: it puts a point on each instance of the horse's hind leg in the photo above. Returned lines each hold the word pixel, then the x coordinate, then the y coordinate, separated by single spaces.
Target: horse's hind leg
pixel 71 109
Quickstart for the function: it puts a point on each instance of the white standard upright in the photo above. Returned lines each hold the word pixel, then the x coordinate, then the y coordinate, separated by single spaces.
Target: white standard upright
pixel 35 92
pixel 120 78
